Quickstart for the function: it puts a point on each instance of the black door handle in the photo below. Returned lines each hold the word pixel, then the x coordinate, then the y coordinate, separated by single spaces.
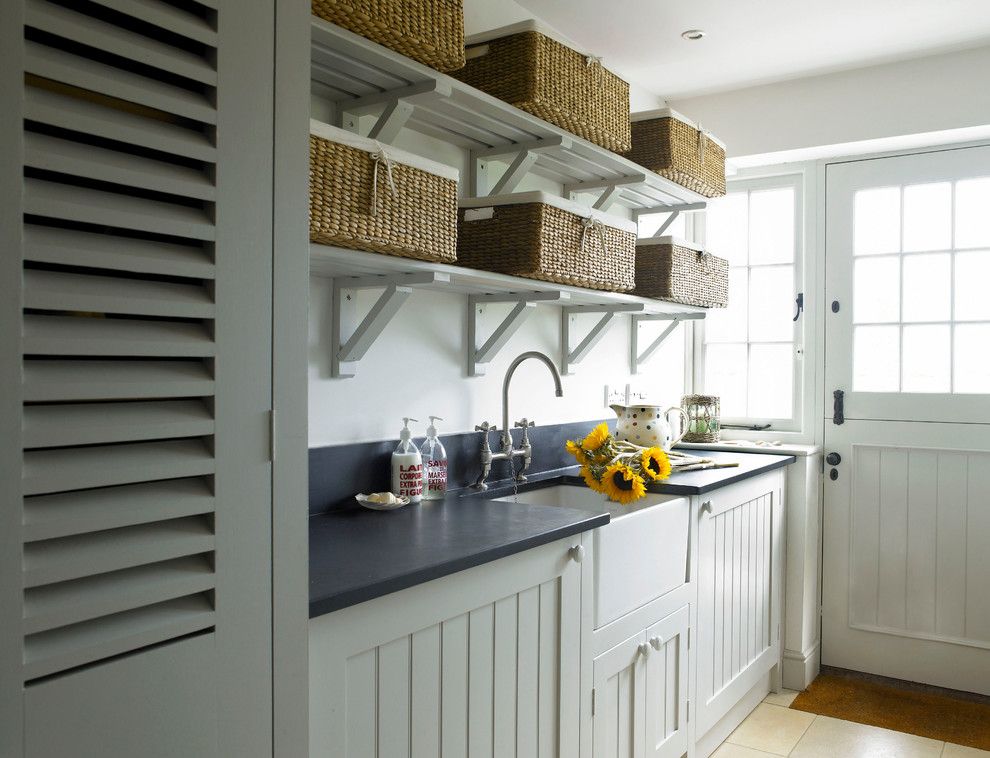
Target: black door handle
pixel 833 459
pixel 839 407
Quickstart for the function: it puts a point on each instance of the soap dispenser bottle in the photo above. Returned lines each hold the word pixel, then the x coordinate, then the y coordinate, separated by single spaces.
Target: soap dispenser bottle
pixel 407 466
pixel 434 463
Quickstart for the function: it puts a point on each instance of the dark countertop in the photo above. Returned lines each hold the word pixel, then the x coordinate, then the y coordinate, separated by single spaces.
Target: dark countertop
pixel 356 554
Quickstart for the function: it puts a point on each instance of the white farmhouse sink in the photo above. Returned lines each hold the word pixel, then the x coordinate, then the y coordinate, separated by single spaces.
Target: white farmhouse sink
pixel 639 556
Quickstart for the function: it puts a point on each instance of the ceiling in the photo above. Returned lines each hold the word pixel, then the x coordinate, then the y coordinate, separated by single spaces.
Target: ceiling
pixel 752 42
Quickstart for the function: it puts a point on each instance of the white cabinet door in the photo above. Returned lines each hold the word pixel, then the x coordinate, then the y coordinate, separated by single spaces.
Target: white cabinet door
pixel 619 700
pixel 667 686
pixel 485 662
pixel 739 573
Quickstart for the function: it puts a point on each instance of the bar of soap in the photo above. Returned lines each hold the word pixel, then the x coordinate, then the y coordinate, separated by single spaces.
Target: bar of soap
pixel 386 498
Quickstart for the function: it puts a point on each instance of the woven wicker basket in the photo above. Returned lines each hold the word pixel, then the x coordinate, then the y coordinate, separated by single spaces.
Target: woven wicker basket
pixel 704 424
pixel 428 31
pixel 672 269
pixel 668 144
pixel 538 236
pixel 350 207
pixel 525 67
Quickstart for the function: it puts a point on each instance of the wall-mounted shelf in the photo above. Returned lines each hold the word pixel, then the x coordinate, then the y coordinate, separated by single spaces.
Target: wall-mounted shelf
pixel 355 269
pixel 361 77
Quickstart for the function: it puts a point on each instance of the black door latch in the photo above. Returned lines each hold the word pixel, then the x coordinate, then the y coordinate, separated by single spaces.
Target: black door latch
pixel 838 407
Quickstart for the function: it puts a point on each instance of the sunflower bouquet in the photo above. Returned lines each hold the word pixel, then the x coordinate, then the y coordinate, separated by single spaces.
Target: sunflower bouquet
pixel 616 468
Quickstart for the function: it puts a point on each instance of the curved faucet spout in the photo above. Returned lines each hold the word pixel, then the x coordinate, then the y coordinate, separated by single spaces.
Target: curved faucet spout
pixel 508 378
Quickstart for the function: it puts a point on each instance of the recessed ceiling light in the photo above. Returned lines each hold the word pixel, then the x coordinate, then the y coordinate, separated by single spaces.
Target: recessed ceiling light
pixel 693 34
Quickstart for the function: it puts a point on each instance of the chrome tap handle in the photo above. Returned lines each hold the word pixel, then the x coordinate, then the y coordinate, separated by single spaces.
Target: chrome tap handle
pixel 526 447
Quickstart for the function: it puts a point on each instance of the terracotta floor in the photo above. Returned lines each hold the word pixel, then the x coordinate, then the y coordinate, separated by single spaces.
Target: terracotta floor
pixel 773 729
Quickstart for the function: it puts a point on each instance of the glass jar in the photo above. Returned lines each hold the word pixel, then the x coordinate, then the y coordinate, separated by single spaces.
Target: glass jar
pixel 703 418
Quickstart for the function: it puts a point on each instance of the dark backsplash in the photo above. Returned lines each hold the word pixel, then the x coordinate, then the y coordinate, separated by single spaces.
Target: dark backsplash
pixel 338 472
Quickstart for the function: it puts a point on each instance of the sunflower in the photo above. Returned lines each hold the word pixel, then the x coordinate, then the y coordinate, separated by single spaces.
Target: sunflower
pixel 596 437
pixel 655 464
pixel 622 484
pixel 590 480
pixel 575 449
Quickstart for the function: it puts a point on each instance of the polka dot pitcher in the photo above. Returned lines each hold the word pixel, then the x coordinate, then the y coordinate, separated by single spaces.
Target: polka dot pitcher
pixel 648 425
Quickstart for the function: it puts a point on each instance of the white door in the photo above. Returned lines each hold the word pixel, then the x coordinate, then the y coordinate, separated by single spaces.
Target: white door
pixel 907 487
pixel 619 708
pixel 667 686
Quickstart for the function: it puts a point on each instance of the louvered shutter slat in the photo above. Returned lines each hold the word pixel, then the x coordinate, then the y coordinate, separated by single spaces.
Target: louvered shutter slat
pixel 167 17
pixel 57 335
pixel 52 290
pixel 71 247
pixel 115 380
pixel 68 513
pixel 80 28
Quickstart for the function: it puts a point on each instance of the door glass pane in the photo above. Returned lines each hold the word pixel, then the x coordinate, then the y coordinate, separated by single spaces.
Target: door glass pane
pixel 725 376
pixel 972 359
pixel 729 324
pixel 877 290
pixel 927 287
pixel 727 227
pixel 972 279
pixel 877 221
pixel 928 217
pixel 927 359
pixel 771 226
pixel 771 303
pixel 973 213
pixel 770 381
pixel 876 358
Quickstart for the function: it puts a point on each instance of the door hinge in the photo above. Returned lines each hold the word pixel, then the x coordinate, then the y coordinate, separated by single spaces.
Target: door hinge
pixel 689 638
pixel 687 716
pixel 271 435
pixel 778 632
pixel 593 699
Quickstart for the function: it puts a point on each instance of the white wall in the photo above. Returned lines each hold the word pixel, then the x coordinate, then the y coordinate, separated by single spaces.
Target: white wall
pixel 935 94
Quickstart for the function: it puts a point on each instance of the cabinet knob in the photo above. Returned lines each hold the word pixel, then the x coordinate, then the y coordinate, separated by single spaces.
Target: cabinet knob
pixel 577 553
pixel 656 642
pixel 644 649
pixel 706 507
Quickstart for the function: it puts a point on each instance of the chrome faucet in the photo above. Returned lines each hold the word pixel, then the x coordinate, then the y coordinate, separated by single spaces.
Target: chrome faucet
pixel 509 451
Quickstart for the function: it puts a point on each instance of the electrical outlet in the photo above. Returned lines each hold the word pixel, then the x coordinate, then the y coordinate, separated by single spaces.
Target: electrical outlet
pixel 614 395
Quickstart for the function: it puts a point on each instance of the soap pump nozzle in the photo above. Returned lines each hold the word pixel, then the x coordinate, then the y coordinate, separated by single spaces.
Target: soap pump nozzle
pixel 431 430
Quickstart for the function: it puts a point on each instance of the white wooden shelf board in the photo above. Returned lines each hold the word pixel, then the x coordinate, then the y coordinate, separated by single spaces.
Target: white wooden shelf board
pixel 335 262
pixel 361 76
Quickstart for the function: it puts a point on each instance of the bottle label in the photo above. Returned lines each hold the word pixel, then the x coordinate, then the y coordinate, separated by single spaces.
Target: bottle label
pixel 436 476
pixel 410 480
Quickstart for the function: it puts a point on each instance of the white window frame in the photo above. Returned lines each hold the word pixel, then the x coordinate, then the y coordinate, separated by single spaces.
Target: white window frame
pixel 800 425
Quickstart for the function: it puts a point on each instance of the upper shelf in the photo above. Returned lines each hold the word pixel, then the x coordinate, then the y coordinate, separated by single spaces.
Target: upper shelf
pixel 363 77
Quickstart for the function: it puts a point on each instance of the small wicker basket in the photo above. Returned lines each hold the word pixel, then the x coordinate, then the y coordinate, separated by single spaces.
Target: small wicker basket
pixel 703 423
pixel 428 31
pixel 672 269
pixel 364 196
pixel 524 65
pixel 538 236
pixel 668 144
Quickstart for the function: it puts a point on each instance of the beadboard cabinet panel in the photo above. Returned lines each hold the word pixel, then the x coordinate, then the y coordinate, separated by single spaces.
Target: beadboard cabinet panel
pixel 481 663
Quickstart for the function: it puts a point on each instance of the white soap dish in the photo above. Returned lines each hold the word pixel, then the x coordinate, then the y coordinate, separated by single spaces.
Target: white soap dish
pixel 397 501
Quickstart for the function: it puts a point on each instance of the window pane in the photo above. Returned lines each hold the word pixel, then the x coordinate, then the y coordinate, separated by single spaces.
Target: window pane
pixel 876 358
pixel 927 357
pixel 650 223
pixel 771 226
pixel 928 217
pixel 927 287
pixel 727 227
pixel 729 324
pixel 972 359
pixel 725 376
pixel 877 221
pixel 771 378
pixel 973 213
pixel 972 278
pixel 877 290
pixel 771 301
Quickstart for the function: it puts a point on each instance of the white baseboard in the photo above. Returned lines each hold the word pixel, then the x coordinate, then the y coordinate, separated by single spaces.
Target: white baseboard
pixel 801 667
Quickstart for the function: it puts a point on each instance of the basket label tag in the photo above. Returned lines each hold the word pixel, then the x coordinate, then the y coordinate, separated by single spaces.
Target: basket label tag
pixel 479 214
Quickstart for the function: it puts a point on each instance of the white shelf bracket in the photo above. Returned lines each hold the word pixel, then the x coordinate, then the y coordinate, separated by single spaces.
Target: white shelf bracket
pixel 523 155
pixel 607 199
pixel 569 357
pixel 636 358
pixel 346 353
pixel 674 210
pixel 523 304
pixel 612 187
pixel 400 104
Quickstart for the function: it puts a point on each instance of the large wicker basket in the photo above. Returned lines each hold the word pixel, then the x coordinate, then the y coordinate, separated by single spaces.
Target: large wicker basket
pixel 526 67
pixel 428 31
pixel 539 236
pixel 672 269
pixel 407 206
pixel 668 144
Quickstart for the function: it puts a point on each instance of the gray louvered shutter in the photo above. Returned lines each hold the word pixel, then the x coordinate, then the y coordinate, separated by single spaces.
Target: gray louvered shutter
pixel 145 262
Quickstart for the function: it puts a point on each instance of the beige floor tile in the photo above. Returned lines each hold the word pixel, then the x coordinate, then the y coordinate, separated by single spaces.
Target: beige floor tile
pixel 772 729
pixel 728 750
pixel 958 751
pixel 828 738
pixel 784 698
